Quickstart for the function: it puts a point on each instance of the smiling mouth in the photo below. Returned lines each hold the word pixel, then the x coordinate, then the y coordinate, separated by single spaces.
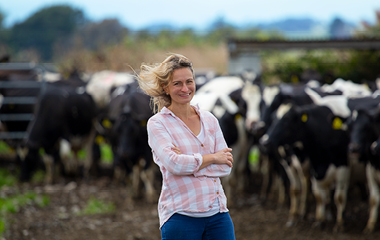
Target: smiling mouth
pixel 186 95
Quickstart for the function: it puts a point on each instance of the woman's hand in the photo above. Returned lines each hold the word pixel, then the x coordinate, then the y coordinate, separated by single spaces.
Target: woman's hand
pixel 224 157
pixel 176 150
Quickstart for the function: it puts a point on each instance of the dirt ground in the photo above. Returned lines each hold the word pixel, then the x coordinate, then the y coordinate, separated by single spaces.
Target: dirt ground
pixel 138 220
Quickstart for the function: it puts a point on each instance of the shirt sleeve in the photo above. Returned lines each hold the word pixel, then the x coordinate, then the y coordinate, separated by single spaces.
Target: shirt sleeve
pixel 161 143
pixel 216 170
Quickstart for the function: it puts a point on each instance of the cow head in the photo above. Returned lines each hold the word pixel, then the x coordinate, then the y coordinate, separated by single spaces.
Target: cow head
pixel 362 133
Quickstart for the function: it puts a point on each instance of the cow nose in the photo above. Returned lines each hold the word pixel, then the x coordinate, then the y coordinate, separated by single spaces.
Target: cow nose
pixel 354 147
pixel 258 129
pixel 264 139
pixel 375 148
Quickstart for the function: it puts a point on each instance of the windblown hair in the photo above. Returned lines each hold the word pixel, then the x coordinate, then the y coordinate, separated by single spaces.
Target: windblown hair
pixel 153 78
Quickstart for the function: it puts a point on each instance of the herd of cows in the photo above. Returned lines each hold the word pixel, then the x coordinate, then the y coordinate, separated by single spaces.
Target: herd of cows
pixel 313 137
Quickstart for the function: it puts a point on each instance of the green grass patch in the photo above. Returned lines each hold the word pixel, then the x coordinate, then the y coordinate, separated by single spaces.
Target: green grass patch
pixel 13 204
pixel 7 178
pixel 38 176
pixel 96 206
pixel 4 148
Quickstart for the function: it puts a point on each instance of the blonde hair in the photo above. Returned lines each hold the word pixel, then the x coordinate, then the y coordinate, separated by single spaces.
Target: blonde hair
pixel 153 78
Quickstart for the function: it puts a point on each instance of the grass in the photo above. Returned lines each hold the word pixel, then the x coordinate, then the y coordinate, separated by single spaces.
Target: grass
pixel 13 204
pixel 7 178
pixel 4 148
pixel 96 206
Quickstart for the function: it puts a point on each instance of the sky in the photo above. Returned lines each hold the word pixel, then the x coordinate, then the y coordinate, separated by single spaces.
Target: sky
pixel 137 14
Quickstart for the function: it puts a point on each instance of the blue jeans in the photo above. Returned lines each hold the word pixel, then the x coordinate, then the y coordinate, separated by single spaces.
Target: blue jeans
pixel 216 227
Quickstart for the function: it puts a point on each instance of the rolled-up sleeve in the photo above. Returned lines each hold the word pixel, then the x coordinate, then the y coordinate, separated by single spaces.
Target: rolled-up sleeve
pixel 161 143
pixel 216 170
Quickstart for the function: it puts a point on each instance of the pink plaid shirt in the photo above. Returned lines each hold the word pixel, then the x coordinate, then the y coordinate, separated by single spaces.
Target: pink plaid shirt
pixel 184 187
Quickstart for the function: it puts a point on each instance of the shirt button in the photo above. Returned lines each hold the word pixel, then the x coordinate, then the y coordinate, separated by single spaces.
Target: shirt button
pixel 201 145
pixel 217 192
pixel 214 180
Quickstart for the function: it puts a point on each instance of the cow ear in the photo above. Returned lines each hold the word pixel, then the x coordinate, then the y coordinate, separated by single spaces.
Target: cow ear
pixel 304 117
pixel 337 123
pixel 375 114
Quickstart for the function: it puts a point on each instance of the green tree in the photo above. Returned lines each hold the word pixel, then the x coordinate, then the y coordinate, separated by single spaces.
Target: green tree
pixel 45 27
pixel 107 32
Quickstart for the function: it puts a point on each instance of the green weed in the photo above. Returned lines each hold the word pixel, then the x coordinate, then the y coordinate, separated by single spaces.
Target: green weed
pixel 96 206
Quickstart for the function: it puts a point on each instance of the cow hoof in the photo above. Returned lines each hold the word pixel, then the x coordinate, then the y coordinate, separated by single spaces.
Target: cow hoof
pixel 318 224
pixel 339 228
pixel 368 230
pixel 290 224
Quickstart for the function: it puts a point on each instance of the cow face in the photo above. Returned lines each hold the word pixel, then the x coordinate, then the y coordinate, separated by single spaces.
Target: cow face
pixel 362 133
pixel 251 94
pixel 284 130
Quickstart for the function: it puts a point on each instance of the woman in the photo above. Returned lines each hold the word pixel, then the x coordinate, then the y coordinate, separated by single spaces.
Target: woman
pixel 188 146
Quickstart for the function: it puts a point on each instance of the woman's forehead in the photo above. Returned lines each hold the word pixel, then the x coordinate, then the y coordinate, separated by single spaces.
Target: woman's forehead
pixel 182 74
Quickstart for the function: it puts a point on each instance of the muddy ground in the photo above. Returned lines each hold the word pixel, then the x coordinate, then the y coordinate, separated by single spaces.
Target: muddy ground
pixel 137 219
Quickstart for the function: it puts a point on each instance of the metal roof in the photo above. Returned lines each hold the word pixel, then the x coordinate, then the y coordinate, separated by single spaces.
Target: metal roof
pixel 239 45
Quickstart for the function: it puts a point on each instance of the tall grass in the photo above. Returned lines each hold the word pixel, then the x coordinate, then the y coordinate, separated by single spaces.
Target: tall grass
pixel 124 58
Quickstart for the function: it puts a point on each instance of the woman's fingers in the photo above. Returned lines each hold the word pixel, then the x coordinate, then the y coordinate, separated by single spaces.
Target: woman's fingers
pixel 176 150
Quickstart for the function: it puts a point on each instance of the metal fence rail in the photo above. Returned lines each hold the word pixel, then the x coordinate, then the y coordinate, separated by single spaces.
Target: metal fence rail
pixel 32 83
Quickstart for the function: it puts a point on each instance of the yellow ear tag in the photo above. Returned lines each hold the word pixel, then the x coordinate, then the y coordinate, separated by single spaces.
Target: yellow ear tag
pixel 99 139
pixel 107 123
pixel 294 79
pixel 337 123
pixel 304 117
pixel 238 116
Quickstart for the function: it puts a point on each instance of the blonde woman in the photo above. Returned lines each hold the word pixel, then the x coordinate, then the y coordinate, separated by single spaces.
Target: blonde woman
pixel 189 148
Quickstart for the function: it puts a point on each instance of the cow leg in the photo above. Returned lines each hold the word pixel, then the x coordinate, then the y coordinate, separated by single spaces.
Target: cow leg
pixel 374 198
pixel 340 196
pixel 136 180
pixel 242 154
pixel 89 161
pixel 49 165
pixel 304 176
pixel 147 176
pixel 65 156
pixel 279 187
pixel 266 171
pixel 321 191
pixel 294 193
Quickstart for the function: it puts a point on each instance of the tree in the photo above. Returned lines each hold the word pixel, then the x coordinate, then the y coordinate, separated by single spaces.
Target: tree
pixel 45 27
pixel 95 35
pixel 4 36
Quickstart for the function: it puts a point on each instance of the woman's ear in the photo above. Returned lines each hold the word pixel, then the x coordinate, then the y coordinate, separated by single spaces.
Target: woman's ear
pixel 165 89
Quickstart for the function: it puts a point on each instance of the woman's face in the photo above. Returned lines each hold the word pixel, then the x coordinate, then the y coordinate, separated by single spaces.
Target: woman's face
pixel 182 86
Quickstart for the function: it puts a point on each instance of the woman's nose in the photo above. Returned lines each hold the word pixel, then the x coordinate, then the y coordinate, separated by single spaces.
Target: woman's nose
pixel 184 88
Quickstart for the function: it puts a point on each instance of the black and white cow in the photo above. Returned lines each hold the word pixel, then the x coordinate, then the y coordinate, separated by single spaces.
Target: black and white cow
pixel 340 108
pixel 364 128
pixel 63 122
pixel 221 96
pixel 129 139
pixel 326 147
pixel 261 113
